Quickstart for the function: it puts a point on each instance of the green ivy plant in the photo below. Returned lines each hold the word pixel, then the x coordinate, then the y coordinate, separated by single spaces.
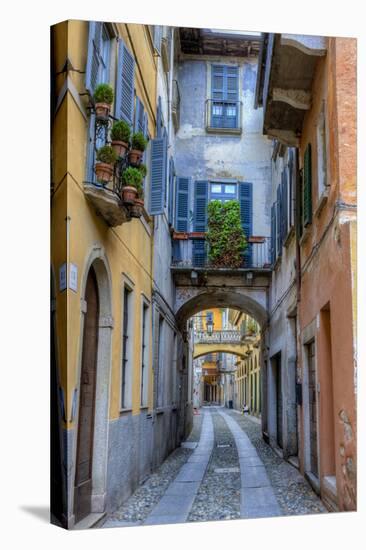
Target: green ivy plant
pixel 103 94
pixel 120 131
pixel 132 177
pixel 225 236
pixel 139 141
pixel 143 169
pixel 106 154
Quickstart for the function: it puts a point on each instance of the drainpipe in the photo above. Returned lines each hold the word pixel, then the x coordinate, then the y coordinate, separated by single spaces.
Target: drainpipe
pixel 297 214
pixel 170 94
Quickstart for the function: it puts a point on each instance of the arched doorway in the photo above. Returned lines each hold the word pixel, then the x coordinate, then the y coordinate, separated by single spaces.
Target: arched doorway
pixel 87 396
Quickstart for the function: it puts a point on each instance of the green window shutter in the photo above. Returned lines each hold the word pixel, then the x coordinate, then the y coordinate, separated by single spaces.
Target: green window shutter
pixel 158 175
pixel 125 84
pixel 94 52
pixel 307 185
pixel 182 204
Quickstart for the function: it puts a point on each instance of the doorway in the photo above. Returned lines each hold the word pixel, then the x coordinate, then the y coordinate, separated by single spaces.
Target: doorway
pixel 279 401
pixel 88 379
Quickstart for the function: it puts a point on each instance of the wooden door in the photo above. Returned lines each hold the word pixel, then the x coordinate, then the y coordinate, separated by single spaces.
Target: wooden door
pixel 84 457
pixel 279 402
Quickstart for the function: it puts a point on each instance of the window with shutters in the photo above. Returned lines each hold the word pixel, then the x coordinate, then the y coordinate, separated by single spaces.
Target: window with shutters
pixel 144 353
pixel 223 108
pixel 307 187
pixel 97 72
pixel 127 333
pixel 321 152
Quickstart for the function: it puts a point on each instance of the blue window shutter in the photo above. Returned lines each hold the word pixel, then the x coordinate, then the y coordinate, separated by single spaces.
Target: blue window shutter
pixel 225 90
pixel 158 31
pixel 125 84
pixel 140 119
pixel 93 59
pixel 159 119
pixel 199 252
pixel 146 125
pixel 246 216
pixel 200 206
pixel 273 233
pixel 158 175
pixel 278 222
pixel 182 204
pixel 171 191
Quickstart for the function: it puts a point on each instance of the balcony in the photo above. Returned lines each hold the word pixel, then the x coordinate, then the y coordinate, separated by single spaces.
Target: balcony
pixel 190 252
pixel 218 337
pixel 286 68
pixel 176 105
pixel 107 197
pixel 223 116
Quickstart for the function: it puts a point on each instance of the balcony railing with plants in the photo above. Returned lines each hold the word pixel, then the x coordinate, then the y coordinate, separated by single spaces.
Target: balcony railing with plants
pixel 223 116
pixel 117 188
pixel 229 336
pixel 224 245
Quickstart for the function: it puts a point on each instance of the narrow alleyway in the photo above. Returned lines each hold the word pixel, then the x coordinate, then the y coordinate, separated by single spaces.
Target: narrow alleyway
pixel 223 471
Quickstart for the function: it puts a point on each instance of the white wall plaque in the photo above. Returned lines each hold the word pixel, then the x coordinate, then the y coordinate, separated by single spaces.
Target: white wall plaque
pixel 73 277
pixel 62 277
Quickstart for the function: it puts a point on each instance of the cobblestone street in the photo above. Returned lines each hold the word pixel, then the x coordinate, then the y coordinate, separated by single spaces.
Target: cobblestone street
pixel 223 471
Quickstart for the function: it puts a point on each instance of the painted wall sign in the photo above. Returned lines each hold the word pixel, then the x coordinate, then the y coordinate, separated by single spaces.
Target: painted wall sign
pixel 73 277
pixel 62 277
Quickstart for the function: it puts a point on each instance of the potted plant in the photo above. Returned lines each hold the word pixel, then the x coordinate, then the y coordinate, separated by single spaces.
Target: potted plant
pixel 131 180
pixel 120 136
pixel 136 209
pixel 143 169
pixel 225 236
pixel 251 327
pixel 103 99
pixel 106 158
pixel 138 146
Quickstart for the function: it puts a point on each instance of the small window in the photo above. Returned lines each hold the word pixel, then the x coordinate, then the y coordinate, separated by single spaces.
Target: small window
pixel 144 354
pixel 126 375
pixel 229 189
pixel 215 188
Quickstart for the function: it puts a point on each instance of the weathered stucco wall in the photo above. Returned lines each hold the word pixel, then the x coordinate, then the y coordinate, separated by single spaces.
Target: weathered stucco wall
pixel 201 155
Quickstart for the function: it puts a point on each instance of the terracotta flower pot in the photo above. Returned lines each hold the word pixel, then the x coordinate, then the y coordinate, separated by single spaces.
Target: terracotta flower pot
pixel 102 109
pixel 129 194
pixel 104 171
pixel 120 148
pixel 136 209
pixel 135 156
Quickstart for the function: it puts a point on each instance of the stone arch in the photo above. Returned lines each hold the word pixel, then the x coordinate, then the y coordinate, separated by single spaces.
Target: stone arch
pixel 192 300
pixel 228 349
pixel 99 262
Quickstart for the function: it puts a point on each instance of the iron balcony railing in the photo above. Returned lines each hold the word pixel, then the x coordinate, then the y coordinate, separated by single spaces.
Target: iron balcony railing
pixel 223 115
pixel 229 336
pixel 192 252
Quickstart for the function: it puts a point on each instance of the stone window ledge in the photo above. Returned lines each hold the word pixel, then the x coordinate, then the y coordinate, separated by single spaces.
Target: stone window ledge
pixel 321 202
pixel 305 235
pixel 289 236
pixel 124 411
pixel 230 131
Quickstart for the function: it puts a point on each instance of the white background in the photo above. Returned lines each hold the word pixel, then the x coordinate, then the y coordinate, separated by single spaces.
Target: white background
pixel 24 273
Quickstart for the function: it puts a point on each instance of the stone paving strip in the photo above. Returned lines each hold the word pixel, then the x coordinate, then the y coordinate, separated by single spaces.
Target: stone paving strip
pixel 293 492
pixel 138 506
pixel 176 503
pixel 218 497
pixel 257 498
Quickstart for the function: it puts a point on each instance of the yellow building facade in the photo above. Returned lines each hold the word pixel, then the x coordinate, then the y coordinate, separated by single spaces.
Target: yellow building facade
pixel 101 267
